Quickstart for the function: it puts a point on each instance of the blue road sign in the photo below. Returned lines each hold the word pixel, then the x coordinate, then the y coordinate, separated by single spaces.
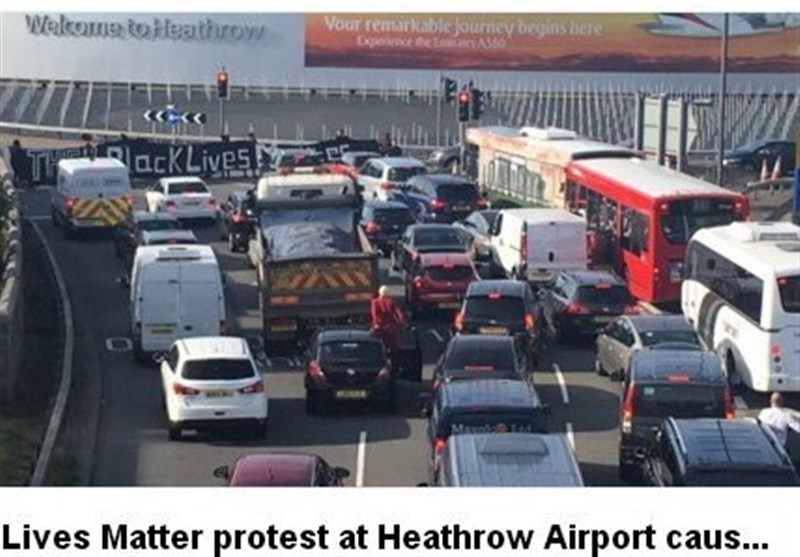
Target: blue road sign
pixel 174 116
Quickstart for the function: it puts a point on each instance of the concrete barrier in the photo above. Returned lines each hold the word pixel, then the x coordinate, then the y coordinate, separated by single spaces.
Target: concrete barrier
pixel 12 322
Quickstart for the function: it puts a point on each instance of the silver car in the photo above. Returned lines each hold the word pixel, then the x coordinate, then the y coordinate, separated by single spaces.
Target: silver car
pixel 628 334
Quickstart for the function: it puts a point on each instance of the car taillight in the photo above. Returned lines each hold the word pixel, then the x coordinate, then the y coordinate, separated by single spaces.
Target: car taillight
pixel 577 309
pixel 129 201
pixel 183 390
pixel 631 309
pixel 436 204
pixel 170 205
pixel 459 321
pixel 436 383
pixel 212 202
pixel 257 387
pixel 439 445
pixel 530 321
pixel 237 218
pixel 730 411
pixel 419 283
pixel 627 409
pixel 483 203
pixel 414 256
pixel 385 373
pixel 70 203
pixel 386 186
pixel 775 352
pixel 315 371
pixel 372 227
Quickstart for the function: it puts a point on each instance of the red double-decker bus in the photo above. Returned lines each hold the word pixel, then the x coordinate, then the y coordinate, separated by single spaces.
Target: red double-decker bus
pixel 641 215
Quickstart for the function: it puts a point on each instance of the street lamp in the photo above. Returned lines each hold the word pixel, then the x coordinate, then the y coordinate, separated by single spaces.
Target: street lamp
pixel 723 79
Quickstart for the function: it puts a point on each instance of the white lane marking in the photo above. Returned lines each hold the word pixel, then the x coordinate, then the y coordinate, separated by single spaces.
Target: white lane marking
pixel 739 403
pixel 269 362
pixel 570 435
pixel 119 344
pixel 650 308
pixel 561 383
pixel 361 457
pixel 436 335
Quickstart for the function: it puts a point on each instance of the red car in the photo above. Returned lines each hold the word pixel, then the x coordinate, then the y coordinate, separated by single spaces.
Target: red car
pixel 439 281
pixel 282 470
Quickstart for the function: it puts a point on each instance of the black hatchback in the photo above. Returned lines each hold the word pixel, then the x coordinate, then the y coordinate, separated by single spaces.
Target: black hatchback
pixel 384 222
pixel 348 365
pixel 471 357
pixel 441 198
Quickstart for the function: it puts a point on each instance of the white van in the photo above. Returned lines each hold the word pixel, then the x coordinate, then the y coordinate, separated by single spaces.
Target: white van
pixel 175 292
pixel 534 244
pixel 91 193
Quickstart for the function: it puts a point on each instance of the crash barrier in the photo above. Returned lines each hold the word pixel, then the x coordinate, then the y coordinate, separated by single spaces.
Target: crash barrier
pixel 767 188
pixel 11 300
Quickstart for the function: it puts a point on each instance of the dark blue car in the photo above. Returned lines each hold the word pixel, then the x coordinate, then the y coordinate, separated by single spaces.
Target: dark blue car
pixel 440 197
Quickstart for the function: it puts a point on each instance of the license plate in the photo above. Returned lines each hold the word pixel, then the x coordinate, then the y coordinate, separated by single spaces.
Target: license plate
pixel 282 328
pixel 191 203
pixel 461 208
pixel 605 319
pixel 161 330
pixel 218 394
pixel 449 305
pixel 351 395
pixel 493 330
pixel 92 222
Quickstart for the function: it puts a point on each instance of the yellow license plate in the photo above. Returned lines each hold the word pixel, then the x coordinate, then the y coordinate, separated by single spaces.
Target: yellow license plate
pixel 493 330
pixel 605 319
pixel 351 395
pixel 218 394
pixel 161 330
pixel 449 305
pixel 282 328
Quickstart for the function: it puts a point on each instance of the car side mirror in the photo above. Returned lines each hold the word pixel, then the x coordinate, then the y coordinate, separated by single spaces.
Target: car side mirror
pixel 124 281
pixel 222 472
pixel 340 473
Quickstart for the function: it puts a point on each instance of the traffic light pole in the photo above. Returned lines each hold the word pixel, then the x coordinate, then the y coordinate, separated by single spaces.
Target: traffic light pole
pixel 221 117
pixel 439 110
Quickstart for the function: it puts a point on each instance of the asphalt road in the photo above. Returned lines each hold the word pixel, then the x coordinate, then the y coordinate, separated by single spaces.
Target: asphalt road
pixel 132 446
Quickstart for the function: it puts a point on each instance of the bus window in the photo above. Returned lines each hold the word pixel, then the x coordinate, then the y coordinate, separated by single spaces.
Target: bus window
pixel 490 174
pixel 789 287
pixel 635 231
pixel 684 217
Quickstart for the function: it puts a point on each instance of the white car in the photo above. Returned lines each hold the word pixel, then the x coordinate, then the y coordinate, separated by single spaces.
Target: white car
pixel 379 176
pixel 186 197
pixel 212 382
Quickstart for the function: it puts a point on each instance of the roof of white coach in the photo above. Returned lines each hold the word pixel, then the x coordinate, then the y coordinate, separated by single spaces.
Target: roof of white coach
pixel 649 178
pixel 566 142
pixel 766 249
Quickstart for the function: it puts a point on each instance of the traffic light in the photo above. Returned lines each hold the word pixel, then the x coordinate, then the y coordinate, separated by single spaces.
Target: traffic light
pixel 450 87
pixel 477 106
pixel 463 106
pixel 222 85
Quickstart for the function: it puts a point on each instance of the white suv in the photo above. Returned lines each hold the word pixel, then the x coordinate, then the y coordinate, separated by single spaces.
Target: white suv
pixel 186 197
pixel 210 382
pixel 379 176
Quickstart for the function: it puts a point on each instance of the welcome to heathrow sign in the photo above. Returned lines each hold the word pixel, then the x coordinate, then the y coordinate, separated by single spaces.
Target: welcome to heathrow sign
pixel 205 29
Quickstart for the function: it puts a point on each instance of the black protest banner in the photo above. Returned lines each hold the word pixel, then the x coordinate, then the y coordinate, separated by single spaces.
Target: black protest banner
pixel 144 159
pixel 329 150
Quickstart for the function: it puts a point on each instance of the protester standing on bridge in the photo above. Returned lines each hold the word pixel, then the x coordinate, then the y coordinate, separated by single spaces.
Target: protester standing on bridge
pixel 17 156
pixel 388 320
pixel 780 419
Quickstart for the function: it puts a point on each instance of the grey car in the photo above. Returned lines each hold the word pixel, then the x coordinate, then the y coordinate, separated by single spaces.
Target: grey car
pixel 628 334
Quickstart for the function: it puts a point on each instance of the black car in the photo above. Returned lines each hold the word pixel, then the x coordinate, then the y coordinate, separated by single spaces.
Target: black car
pixel 128 233
pixel 584 302
pixel 348 365
pixel 238 219
pixel 708 452
pixel 428 238
pixel 471 357
pixel 752 155
pixel 440 197
pixel 482 406
pixel 445 158
pixel 384 222
pixel 504 308
pixel 477 224
pixel 667 383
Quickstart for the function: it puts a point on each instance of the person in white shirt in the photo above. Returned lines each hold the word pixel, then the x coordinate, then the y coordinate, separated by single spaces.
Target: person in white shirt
pixel 779 419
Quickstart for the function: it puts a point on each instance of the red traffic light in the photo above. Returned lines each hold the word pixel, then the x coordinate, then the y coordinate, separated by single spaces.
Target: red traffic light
pixel 222 76
pixel 463 97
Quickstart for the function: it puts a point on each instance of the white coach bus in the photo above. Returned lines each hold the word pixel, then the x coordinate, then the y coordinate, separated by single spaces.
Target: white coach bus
pixel 742 293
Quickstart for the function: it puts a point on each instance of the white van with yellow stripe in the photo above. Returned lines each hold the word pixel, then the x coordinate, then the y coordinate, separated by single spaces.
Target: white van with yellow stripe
pixel 91 193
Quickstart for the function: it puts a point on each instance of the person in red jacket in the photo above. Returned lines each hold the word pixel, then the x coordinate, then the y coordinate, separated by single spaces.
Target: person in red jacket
pixel 388 320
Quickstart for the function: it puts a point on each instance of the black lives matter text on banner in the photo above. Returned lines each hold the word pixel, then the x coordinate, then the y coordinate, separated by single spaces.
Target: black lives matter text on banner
pixel 328 150
pixel 145 159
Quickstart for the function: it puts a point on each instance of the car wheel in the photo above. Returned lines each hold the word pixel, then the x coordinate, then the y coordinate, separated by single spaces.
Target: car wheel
pixel 598 367
pixel 312 403
pixel 54 217
pixel 139 355
pixel 232 243
pixel 628 473
pixel 174 432
pixel 69 232
pixel 389 406
pixel 259 429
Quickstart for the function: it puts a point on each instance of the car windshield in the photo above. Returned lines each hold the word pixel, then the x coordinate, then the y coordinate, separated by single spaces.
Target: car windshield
pixel 789 288
pixel 219 369
pixel 351 351
pixel 679 401
pixel 439 238
pixel 457 192
pixel 300 160
pixel 404 173
pixel 178 188
pixel 159 224
pixel 165 241
pixel 749 147
pixel 480 356
pixel 449 273
pixel 652 338
pixel 603 295
pixel 756 477
pixel 401 217
pixel 685 217
pixel 494 308
pixel 487 421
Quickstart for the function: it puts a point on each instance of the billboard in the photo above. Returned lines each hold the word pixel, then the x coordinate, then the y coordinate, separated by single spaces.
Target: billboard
pixel 759 42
